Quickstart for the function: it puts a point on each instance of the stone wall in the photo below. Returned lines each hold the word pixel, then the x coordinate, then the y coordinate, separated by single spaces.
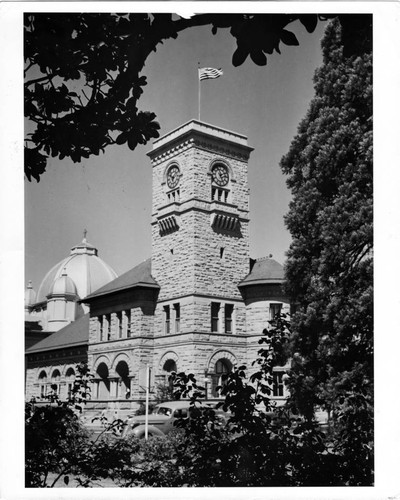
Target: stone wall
pixel 49 362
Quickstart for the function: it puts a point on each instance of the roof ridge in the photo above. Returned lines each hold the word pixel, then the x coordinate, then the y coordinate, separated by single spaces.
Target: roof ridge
pixel 267 257
pixel 138 276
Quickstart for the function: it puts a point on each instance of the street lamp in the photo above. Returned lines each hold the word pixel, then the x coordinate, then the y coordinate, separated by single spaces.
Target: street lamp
pixel 206 383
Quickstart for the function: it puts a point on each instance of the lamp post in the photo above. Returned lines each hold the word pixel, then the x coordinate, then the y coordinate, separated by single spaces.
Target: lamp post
pixel 206 384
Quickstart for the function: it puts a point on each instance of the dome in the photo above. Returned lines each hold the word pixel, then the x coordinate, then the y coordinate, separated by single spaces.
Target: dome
pixel 63 285
pixel 83 267
pixel 30 295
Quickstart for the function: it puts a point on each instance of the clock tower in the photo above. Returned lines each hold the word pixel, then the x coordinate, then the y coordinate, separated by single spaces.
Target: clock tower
pixel 200 243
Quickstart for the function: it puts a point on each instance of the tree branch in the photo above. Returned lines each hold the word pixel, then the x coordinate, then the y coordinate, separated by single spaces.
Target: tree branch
pixel 41 79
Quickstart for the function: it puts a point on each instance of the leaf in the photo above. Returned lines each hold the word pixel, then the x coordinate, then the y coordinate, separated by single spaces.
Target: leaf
pixel 289 38
pixel 309 21
pixel 239 56
pixel 133 141
pixel 122 138
pixel 258 57
pixel 131 102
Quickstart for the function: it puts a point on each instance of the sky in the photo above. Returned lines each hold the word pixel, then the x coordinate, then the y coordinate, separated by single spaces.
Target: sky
pixel 110 195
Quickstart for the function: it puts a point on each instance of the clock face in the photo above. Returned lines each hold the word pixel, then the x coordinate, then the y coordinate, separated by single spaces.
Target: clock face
pixel 220 175
pixel 173 177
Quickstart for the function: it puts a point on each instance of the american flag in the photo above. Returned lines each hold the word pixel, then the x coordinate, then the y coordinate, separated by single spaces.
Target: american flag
pixel 207 73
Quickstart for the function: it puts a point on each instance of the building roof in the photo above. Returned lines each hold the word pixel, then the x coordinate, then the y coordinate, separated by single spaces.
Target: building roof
pixel 74 334
pixel 264 271
pixel 139 276
pixel 86 269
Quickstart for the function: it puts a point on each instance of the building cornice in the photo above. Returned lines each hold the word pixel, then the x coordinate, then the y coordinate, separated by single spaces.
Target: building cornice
pixel 201 135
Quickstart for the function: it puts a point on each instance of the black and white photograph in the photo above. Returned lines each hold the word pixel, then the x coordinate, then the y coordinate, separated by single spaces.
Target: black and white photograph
pixel 205 233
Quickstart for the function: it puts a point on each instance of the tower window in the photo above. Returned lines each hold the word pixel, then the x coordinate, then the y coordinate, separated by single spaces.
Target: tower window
pixel 173 196
pixel 177 310
pixel 167 320
pixel 274 310
pixel 219 194
pixel 173 177
pixel 228 318
pixel 220 179
pixel 277 384
pixel 215 309
pixel 221 252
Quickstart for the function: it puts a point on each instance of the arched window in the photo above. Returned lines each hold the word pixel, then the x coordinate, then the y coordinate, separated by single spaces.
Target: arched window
pixel 70 379
pixel 222 367
pixel 124 383
pixel 103 382
pixel 168 367
pixel 55 381
pixel 43 384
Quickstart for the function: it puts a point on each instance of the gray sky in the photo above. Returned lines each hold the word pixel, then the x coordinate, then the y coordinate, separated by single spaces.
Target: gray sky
pixel 110 195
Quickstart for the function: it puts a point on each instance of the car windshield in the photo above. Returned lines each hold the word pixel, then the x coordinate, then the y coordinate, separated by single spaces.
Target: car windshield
pixel 162 410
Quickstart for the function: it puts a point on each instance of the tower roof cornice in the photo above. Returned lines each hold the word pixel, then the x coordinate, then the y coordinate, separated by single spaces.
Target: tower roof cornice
pixel 193 129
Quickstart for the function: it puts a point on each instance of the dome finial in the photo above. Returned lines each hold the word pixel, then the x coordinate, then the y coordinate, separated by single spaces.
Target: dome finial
pixel 84 236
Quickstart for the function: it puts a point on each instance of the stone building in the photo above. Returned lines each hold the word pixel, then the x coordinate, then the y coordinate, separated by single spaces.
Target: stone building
pixel 198 305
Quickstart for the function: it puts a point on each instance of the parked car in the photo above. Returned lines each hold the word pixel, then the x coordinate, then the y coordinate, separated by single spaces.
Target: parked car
pixel 161 419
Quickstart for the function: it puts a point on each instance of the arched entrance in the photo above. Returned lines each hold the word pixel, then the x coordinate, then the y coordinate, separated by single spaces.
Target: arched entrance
pixel 220 364
pixel 167 364
pixel 222 367
pixel 123 388
pixel 103 382
pixel 170 366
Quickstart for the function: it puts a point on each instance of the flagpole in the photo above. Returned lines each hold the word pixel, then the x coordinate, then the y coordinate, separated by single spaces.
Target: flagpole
pixel 199 83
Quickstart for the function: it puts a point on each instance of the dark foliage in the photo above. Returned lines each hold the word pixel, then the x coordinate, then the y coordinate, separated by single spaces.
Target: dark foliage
pixel 58 446
pixel 329 269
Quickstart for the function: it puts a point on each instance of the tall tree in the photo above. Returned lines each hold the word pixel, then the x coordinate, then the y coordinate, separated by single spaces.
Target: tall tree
pixel 329 269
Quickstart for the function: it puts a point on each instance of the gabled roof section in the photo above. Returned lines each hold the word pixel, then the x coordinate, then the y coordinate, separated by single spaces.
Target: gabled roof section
pixel 264 271
pixel 72 335
pixel 139 276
